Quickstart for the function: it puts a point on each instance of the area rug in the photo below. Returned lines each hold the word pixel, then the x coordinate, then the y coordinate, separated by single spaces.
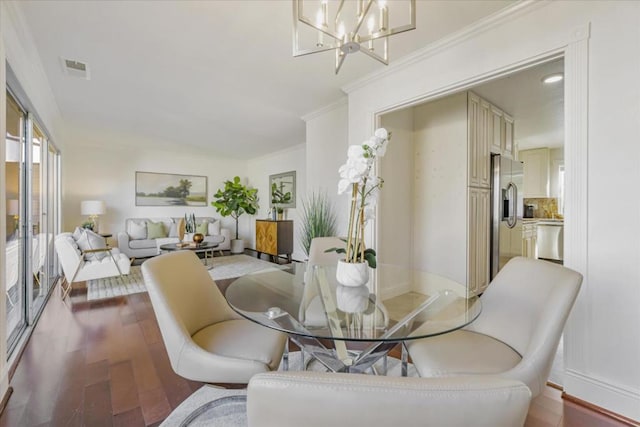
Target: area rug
pixel 224 267
pixel 232 414
pixel 227 267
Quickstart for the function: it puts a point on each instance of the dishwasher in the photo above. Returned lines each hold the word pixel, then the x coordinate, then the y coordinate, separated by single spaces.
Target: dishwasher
pixel 550 240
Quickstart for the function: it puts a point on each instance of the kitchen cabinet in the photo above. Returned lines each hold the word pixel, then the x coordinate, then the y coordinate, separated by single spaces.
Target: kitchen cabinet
pixel 497 130
pixel 479 240
pixel 536 172
pixel 480 126
pixel 529 239
pixel 274 238
pixel 507 144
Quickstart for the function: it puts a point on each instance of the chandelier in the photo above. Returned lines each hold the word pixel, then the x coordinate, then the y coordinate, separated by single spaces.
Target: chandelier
pixel 350 26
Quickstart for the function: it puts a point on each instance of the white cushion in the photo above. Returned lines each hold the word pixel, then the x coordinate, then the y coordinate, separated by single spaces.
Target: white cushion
pixel 90 240
pixel 173 230
pixel 214 228
pixel 137 230
pixel 77 233
pixel 461 353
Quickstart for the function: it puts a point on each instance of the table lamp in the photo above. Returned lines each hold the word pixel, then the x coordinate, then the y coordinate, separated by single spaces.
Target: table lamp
pixel 13 209
pixel 93 208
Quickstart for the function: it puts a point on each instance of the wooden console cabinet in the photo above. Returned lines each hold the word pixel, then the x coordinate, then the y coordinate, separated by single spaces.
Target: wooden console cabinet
pixel 274 237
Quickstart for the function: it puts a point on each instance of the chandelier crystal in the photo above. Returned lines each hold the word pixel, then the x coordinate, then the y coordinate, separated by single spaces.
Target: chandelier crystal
pixel 348 26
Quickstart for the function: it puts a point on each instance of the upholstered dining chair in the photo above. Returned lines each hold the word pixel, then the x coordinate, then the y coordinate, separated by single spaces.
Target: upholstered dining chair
pixel 205 339
pixel 357 400
pixel 311 312
pixel 516 336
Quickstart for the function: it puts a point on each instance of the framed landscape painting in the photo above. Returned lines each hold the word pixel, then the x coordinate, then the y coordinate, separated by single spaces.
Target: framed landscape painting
pixel 168 189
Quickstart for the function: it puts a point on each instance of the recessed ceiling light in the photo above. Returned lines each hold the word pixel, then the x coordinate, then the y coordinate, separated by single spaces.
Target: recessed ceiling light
pixel 552 78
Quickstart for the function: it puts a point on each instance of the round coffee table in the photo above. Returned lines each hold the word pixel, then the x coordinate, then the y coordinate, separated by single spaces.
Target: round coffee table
pixel 205 247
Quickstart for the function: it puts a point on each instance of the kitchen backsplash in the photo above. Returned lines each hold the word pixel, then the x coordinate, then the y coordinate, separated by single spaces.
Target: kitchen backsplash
pixel 546 207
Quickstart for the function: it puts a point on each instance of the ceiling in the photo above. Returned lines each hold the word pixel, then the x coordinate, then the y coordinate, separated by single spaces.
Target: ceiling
pixel 537 108
pixel 218 75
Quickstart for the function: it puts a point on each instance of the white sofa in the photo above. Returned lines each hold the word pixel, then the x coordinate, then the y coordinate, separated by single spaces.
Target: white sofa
pixel 134 241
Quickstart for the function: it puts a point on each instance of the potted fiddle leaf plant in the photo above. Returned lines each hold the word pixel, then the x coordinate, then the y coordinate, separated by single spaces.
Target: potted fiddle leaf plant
pixel 234 200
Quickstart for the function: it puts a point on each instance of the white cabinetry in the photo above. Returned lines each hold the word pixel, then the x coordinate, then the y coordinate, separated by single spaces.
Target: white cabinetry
pixel 480 127
pixel 530 240
pixel 536 172
pixel 508 148
pixel 479 227
pixel 497 130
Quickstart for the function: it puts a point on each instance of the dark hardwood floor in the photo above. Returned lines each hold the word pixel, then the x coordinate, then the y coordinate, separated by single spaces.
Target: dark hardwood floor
pixel 103 363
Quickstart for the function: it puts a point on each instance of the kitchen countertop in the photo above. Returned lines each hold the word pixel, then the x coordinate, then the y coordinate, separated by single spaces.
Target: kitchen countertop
pixel 538 220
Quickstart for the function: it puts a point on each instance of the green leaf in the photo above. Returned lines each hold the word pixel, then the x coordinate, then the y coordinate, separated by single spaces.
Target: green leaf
pixel 371 259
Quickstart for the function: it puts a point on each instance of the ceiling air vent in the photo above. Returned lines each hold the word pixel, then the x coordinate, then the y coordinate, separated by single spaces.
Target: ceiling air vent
pixel 75 68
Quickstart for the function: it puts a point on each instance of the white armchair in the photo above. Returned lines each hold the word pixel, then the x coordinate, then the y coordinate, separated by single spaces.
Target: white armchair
pixel 76 267
pixel 524 311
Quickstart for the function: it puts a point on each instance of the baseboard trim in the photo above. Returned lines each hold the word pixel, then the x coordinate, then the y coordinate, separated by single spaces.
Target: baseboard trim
pixel 599 409
pixel 622 403
pixel 5 399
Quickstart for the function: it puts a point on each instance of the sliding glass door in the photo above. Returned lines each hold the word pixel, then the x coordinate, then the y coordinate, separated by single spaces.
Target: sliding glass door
pixel 33 193
pixel 15 251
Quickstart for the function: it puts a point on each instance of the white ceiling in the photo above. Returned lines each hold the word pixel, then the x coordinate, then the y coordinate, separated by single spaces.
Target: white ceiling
pixel 538 108
pixel 212 74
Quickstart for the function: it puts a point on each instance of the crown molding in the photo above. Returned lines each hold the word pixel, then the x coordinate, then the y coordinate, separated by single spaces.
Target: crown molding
pixel 323 110
pixel 473 30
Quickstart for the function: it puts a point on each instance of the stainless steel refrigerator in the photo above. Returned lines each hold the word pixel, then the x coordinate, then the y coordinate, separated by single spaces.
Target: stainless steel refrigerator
pixel 507 204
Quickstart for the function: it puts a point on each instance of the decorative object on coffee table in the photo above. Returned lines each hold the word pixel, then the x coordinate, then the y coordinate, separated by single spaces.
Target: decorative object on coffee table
pixel 357 175
pixel 234 200
pixel 198 238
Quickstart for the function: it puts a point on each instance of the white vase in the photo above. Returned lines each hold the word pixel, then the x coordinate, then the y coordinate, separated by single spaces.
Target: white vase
pixel 188 237
pixel 237 246
pixel 352 299
pixel 352 274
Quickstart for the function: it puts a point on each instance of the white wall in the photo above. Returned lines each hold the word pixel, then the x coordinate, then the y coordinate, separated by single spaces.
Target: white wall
pixel 326 152
pixel 395 210
pixel 602 340
pixel 258 171
pixel 440 193
pixel 98 170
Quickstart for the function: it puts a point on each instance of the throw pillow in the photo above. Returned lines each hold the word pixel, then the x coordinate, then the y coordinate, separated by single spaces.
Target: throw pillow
pixel 214 228
pixel 156 230
pixel 202 228
pixel 173 231
pixel 137 231
pixel 77 233
pixel 90 240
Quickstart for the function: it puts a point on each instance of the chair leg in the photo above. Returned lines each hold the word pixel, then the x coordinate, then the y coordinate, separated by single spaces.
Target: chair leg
pixel 285 356
pixel 64 290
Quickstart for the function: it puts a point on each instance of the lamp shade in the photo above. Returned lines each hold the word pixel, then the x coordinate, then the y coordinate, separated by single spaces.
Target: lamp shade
pixel 92 207
pixel 13 207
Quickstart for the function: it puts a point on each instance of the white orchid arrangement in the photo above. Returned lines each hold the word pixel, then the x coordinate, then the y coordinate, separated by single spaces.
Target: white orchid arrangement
pixel 358 175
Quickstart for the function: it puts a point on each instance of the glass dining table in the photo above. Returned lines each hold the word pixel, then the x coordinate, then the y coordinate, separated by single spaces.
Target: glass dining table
pixel 349 329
